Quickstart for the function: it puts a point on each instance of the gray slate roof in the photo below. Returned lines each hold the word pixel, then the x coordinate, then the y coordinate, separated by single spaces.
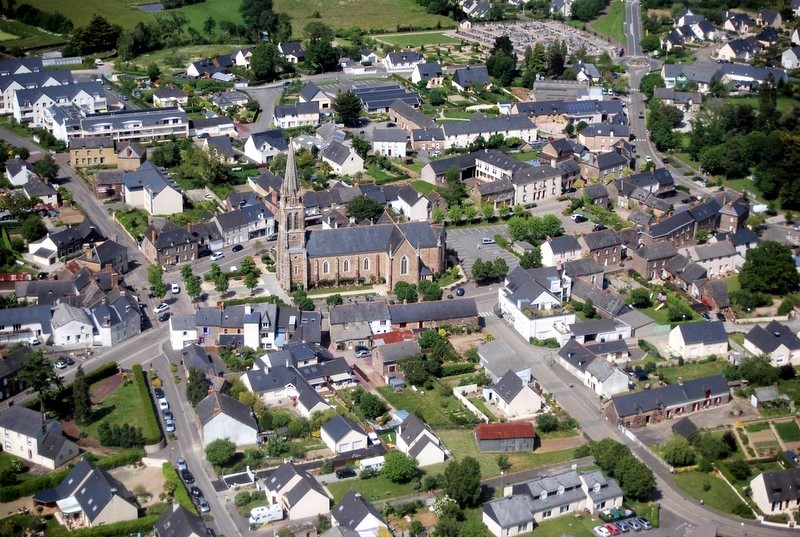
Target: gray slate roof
pixel 508 387
pixel 472 75
pixel 671 395
pixel 180 523
pixel 339 426
pixel 219 403
pixel 704 332
pixel 563 244
pixel 438 310
pixel 374 238
pixel 353 509
pixel 772 336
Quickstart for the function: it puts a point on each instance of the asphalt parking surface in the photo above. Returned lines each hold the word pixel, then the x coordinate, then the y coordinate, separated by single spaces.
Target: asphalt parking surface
pixel 465 241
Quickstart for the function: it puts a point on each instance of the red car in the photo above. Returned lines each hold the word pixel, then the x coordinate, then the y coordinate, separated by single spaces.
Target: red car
pixel 612 528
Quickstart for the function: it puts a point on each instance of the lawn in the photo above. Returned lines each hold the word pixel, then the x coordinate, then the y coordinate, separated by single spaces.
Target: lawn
pixel 719 495
pixel 133 220
pixel 783 105
pixel 790 388
pixel 435 409
pixel 481 405
pixel 416 40
pixel 757 427
pixel 788 431
pixel 743 185
pixel 376 488
pixel 167 57
pixel 733 284
pixel 691 370
pixel 567 524
pixel 123 406
pixel 7 463
pixel 376 15
pixel 24 36
pixel 461 443
pixel 612 24
pixel 423 187
pixel 738 337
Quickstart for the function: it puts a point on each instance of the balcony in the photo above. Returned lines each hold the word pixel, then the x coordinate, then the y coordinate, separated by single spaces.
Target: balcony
pixel 536 313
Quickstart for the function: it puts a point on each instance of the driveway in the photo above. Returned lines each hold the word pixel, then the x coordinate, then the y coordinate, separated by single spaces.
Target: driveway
pixel 267 98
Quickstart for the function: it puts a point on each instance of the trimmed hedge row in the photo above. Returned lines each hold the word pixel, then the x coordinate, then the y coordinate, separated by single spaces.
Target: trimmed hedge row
pixel 142 526
pixel 120 459
pixel 449 370
pixel 181 495
pixel 150 420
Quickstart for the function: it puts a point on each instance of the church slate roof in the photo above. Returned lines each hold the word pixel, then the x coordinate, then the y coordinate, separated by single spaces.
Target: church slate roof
pixel 377 238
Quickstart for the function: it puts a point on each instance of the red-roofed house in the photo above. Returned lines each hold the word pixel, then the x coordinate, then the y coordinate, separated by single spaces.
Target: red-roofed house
pixel 396 336
pixel 510 436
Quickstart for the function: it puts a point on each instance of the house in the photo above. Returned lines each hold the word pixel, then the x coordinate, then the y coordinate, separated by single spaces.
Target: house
pixel 92 151
pixel 292 51
pixel 288 116
pixel 29 80
pixel 737 22
pixel 558 250
pixel 597 330
pixel 116 319
pixel 586 72
pixel 603 167
pixel 11 362
pixel 739 49
pixel 354 324
pixel 775 340
pixel 409 118
pixel 260 147
pixel 776 492
pixel 151 189
pixel 768 17
pixel 28 105
pixel 512 436
pixel 430 73
pixel 403 61
pixel 355 513
pixel 380 97
pixel 283 384
pixel 245 223
pixel 408 202
pixel 596 194
pixel 666 402
pixel 341 435
pixel 29 435
pixel 508 181
pixel 561 7
pixel 699 340
pixel 71 325
pixel 592 369
pixel 167 97
pixel 532 301
pixel 214 126
pixel 208 67
pixel 769 397
pixel 471 76
pixel 497 358
pixel 604 246
pixel 35 188
pixel 223 417
pixel 386 357
pixel 416 439
pixel 226 100
pixel 19 171
pixel 311 93
pixel 88 497
pixel 717 258
pixel 242 57
pixel 299 494
pixel 513 397
pixel 220 148
pixel 21 65
pixel 390 142
pixel 463 133
pixel 649 260
pixel 687 101
pixel 432 315
pixel 790 58
pixel 169 245
pixel 679 75
pixel 342 159
pixel 178 522
pixel 59 244
pixel 601 137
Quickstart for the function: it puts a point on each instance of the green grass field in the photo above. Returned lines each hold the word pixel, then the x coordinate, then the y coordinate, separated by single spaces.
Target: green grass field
pixel 379 15
pixel 376 488
pixel 5 36
pixel 435 409
pixel 416 40
pixel 612 24
pixel 788 431
pixel 691 370
pixel 24 36
pixel 719 495
pixel 188 54
pixel 123 406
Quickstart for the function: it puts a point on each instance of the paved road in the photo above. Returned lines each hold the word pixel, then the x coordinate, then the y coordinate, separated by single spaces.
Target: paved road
pixel 633 27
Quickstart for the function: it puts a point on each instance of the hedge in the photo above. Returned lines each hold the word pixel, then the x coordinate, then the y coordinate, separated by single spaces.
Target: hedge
pixel 62 401
pixel 140 526
pixel 449 370
pixel 181 494
pixel 120 459
pixel 151 422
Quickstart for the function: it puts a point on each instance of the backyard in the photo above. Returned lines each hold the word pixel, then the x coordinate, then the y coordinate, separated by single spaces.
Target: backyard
pixel 692 370
pixel 377 488
pixel 435 407
pixel 135 221
pixel 709 488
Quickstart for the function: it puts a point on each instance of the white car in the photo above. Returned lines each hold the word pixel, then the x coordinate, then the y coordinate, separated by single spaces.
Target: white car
pixel 176 288
pixel 163 404
pixel 601 531
pixel 169 425
pixel 161 308
pixel 216 256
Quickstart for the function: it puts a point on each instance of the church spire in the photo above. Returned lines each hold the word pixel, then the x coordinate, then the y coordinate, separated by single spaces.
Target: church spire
pixel 290 188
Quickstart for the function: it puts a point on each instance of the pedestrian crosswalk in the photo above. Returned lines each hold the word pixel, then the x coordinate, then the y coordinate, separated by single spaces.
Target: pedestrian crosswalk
pixel 641 139
pixel 485 314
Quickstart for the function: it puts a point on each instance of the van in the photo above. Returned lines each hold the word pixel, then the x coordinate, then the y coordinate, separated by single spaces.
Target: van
pixel 487 240
pixel 266 513
pixel 373 463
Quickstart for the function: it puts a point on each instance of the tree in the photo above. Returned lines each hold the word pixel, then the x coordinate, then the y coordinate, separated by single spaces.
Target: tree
pixel 607 453
pixel 650 42
pixel 430 290
pixel 33 228
pixel 405 292
pixel 758 370
pixel 487 211
pixel 196 386
pixel 503 463
pixel 532 259
pixel 586 10
pixel 678 452
pixel 710 446
pixel 251 281
pixel 454 190
pixel 448 526
pixel 399 467
pixel 462 481
pixel 322 55
pixel 501 66
pixel 437 97
pixel 739 468
pixel 334 300
pixel 473 528
pixel 323 524
pixel 361 145
pixel 221 282
pixel 301 300
pixel 769 268
pixel 650 82
pixel 364 208
pixel 640 298
pixel 81 400
pixel 98 36
pixel 547 423
pixel 154 72
pixel 208 25
pixel 38 375
pixel 265 61
pixel 46 167
pixel 419 369
pixel 438 215
pixel 155 276
pixel 368 405
pixel 318 32
pixel 637 480
pixel 347 106
pixel 220 451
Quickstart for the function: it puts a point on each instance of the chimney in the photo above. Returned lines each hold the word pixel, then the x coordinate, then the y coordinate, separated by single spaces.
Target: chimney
pixel 680 381
pixel 106 320
pixel 248 309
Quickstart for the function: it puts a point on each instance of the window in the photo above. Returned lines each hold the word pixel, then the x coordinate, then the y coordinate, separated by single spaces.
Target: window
pixel 346 265
pixel 325 267
pixel 564 509
pixel 547 514
pixel 366 263
pixel 404 265
pixel 522 527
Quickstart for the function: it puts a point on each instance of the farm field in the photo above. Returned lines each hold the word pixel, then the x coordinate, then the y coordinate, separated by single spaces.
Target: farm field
pixel 17 34
pixel 167 57
pixel 377 15
pixel 418 39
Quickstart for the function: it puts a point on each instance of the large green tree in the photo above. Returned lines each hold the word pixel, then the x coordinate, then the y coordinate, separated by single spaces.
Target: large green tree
pixel 38 375
pixel 265 62
pixel 651 81
pixel 678 452
pixel 46 167
pixel 155 276
pixel 98 36
pixel 769 268
pixel 758 370
pixel 399 467
pixel 347 106
pixel 220 452
pixel 364 208
pixel 196 386
pixel 462 481
pixel 81 400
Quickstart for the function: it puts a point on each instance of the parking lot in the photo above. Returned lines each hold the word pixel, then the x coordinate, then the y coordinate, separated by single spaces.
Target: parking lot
pixel 467 243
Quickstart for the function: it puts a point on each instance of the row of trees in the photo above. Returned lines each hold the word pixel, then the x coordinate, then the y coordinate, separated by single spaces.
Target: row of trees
pixel 637 480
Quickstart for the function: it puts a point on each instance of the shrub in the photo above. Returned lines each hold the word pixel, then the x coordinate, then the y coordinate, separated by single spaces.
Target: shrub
pixel 148 412
pixel 449 370
pixel 241 498
pixel 550 343
pixel 786 307
pixel 139 526
pixel 175 483
pixel 741 509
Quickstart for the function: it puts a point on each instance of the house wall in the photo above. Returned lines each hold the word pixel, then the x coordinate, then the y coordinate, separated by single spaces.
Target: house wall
pixel 765 503
pixel 674 411
pixel 168 201
pixel 431 454
pixel 95 156
pixel 538 327
pixel 223 426
pixel 312 504
pixel 526 403
pixel 390 149
pixel 117 510
pixel 73 333
pixel 300 120
pixel 695 350
pixel 499 531
pixel 352 441
pixel 549 259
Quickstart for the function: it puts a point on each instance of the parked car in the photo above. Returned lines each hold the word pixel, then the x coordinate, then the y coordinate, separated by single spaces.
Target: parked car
pixel 645 523
pixel 176 288
pixel 64 362
pixel 634 524
pixel 344 473
pixel 164 317
pixel 612 529
pixel 460 291
pixel 373 438
pixel 623 526
pixel 487 240
pixel 167 414
pixel 237 248
pixel 159 393
pixel 599 227
pixel 163 404
pixel 569 190
pixel 181 462
pixel 601 531
pixel 187 477
pixel 216 256
pixel 196 492
pixel 705 316
pixel 161 308
pixel 579 218
pixel 721 316
pixel 363 353
pixel 202 505
pixel 169 426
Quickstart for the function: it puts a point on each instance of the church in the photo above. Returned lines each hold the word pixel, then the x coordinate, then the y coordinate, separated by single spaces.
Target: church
pixel 378 253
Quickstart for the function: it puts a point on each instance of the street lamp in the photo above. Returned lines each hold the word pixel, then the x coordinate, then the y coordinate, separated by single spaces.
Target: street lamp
pixel 502 490
pixel 741 529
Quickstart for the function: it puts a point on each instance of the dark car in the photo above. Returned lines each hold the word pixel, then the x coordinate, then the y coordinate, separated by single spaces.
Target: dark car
pixel 569 190
pixel 705 316
pixel 460 291
pixel 159 393
pixel 237 248
pixel 599 227
pixel 164 317
pixel 579 218
pixel 196 492
pixel 167 414
pixel 345 473
pixel 721 316
pixel 187 477
pixel 64 362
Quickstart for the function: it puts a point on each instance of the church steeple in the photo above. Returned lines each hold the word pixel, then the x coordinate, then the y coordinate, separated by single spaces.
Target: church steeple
pixel 290 188
pixel 291 252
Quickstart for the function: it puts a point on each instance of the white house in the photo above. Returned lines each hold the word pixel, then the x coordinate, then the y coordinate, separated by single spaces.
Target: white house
pixel 182 331
pixel 28 105
pixel 408 202
pixel 21 81
pixel 25 324
pixel 150 189
pixel 26 434
pixel 357 514
pixel 699 340
pixel 463 133
pixel 532 301
pixel 790 58
pixel 776 492
pixel 597 330
pixel 292 51
pixel 342 435
pixel 19 171
pixel 300 495
pixel 718 258
pixel 165 97
pixel 558 250
pixel 416 439
pixel 592 370
pixel 262 146
pixel 342 159
pixel 242 57
pixel 296 115
pixel 71 325
pixel 223 417
pixel 311 93
pixel 405 60
pixel 776 340
pixel 430 73
pixel 515 398
pixel 390 142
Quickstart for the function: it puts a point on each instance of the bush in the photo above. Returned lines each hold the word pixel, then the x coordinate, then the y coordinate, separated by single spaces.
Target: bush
pixel 125 435
pixel 241 498
pixel 180 493
pixel 550 343
pixel 149 413
pixel 741 509
pixel 139 526
pixel 449 370
pixel 786 306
